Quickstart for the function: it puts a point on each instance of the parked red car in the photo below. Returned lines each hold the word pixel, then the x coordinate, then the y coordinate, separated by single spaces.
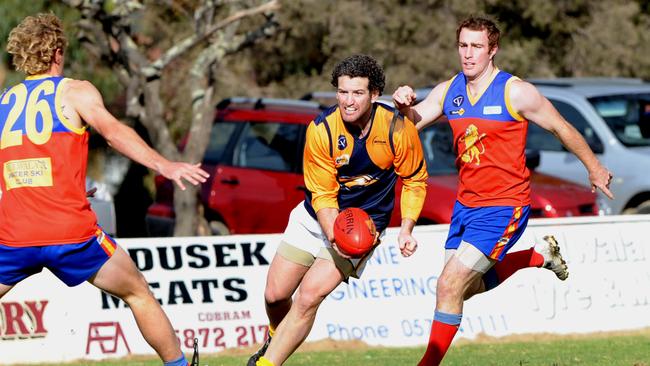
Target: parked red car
pixel 550 196
pixel 255 161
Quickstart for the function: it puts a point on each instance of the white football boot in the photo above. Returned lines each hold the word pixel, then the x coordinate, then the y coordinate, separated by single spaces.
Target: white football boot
pixel 550 250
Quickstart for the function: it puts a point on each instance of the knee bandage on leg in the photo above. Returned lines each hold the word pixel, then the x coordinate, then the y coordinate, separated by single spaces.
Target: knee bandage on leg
pixel 473 258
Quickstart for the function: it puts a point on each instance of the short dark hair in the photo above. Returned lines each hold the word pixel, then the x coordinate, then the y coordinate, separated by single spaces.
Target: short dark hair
pixel 362 66
pixel 481 23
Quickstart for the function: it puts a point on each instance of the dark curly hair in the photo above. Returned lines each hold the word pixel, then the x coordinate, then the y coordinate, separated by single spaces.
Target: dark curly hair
pixel 362 66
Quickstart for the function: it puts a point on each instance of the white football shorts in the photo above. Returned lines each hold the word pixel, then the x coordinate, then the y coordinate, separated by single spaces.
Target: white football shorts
pixel 303 241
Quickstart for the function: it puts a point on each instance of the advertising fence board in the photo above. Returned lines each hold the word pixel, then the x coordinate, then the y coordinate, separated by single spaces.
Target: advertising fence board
pixel 212 289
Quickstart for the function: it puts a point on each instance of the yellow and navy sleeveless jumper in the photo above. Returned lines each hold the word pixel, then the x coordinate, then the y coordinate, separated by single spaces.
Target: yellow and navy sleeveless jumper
pixel 490 141
pixel 43 159
pixel 342 170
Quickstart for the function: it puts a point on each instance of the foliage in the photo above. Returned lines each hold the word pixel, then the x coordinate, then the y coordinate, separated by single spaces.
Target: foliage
pixel 415 40
pixel 158 49
pixel 78 62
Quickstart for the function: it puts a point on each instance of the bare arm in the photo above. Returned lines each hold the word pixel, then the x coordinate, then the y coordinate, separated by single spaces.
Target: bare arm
pixel 425 112
pixel 86 100
pixel 326 217
pixel 407 243
pixel 410 166
pixel 532 105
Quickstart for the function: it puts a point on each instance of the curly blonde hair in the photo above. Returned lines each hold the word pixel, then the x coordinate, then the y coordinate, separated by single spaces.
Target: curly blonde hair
pixel 34 41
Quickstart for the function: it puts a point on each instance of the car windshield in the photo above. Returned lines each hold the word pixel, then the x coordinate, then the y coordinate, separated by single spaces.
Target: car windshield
pixel 628 116
pixel 438 149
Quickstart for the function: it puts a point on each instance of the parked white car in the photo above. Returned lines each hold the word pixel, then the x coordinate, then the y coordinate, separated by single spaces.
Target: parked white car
pixel 101 201
pixel 613 114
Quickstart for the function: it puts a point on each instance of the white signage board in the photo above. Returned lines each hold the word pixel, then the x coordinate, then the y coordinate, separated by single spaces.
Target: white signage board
pixel 212 289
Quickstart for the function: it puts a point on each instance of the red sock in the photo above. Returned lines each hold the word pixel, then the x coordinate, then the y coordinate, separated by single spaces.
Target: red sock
pixel 442 333
pixel 513 262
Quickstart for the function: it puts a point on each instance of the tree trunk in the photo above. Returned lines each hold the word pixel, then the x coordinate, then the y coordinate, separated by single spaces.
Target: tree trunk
pixel 107 32
pixel 186 208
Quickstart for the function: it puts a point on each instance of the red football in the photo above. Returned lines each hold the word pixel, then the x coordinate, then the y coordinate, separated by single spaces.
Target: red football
pixel 354 232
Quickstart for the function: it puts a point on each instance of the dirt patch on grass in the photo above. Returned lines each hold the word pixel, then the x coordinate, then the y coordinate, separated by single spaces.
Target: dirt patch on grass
pixel 544 337
pixel 321 345
pixel 332 345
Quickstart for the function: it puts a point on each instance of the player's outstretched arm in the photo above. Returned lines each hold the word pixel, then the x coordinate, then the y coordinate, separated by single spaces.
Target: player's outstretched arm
pixel 87 102
pixel 532 105
pixel 425 112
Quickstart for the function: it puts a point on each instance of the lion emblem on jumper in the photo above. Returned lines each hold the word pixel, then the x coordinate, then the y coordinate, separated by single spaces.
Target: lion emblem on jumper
pixel 472 139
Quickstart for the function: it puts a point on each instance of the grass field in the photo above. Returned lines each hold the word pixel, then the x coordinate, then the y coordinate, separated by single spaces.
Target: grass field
pixel 603 349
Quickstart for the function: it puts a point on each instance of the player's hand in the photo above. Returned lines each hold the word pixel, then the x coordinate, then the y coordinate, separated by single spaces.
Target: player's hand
pixel 404 97
pixel 91 192
pixel 600 179
pixel 407 244
pixel 177 172
pixel 377 241
pixel 340 252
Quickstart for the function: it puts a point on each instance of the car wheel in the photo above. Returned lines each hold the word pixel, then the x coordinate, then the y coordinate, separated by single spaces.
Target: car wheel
pixel 218 228
pixel 642 208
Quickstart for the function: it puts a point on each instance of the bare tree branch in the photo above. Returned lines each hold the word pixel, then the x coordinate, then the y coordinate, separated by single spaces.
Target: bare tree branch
pixel 227 42
pixel 134 108
pixel 250 38
pixel 193 40
pixel 110 35
pixel 155 121
pixel 116 25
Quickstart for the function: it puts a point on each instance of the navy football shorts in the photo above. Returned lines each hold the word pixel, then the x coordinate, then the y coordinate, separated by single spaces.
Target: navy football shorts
pixel 493 229
pixel 71 263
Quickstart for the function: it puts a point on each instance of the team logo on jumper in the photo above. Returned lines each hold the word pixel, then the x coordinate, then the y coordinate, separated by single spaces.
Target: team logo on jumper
pixel 342 143
pixel 342 160
pixel 348 183
pixel 458 100
pixel 471 153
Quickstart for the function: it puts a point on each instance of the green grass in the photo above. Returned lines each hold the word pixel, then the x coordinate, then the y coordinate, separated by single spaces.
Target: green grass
pixel 595 350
